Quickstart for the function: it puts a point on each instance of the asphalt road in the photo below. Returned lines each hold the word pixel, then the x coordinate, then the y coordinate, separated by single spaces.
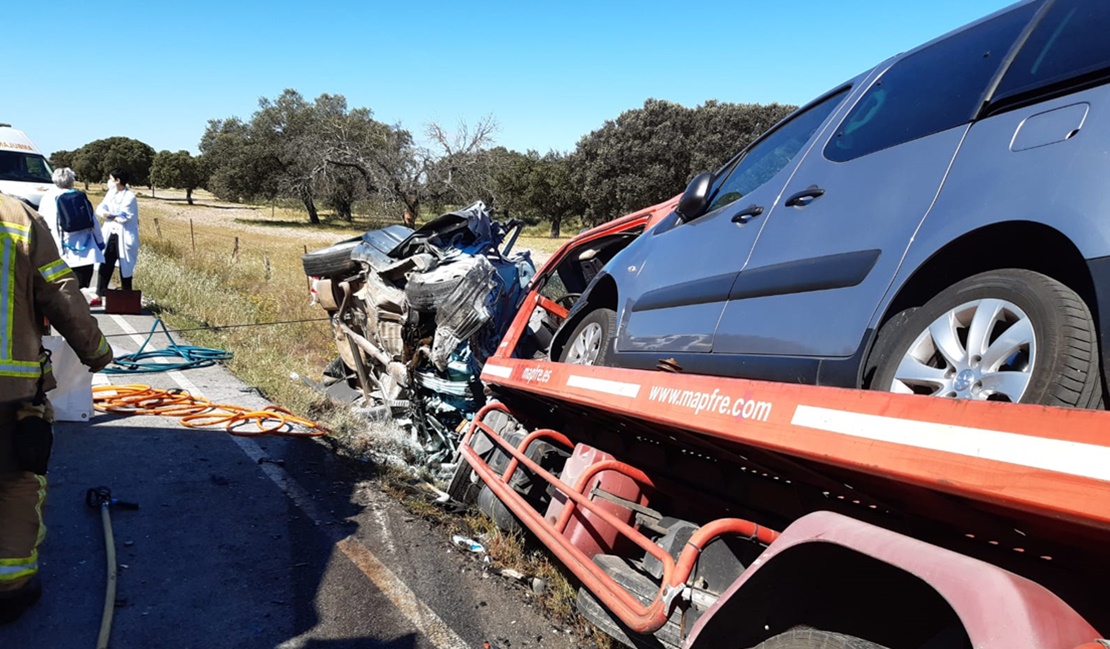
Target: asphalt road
pixel 232 549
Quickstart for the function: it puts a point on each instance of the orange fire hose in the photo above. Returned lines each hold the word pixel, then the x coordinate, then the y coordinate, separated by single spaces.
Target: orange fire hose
pixel 198 412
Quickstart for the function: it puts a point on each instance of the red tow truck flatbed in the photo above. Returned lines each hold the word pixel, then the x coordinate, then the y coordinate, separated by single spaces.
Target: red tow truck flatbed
pixel 754 512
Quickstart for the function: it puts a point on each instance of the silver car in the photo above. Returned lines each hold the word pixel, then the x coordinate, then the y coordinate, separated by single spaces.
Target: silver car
pixel 938 225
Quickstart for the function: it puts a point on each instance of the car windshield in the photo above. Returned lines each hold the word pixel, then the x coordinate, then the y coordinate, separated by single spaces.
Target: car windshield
pixel 24 167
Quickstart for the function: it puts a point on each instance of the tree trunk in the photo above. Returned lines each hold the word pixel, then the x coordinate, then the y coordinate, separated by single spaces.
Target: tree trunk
pixel 556 225
pixel 344 211
pixel 412 210
pixel 189 195
pixel 309 205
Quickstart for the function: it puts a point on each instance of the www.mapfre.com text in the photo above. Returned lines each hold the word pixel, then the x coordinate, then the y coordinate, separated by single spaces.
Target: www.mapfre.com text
pixel 713 401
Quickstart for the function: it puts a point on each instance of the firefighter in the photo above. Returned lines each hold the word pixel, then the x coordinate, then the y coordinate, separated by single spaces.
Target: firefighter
pixel 34 283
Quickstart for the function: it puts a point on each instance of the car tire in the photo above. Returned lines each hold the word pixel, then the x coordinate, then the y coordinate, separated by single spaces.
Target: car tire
pixel 805 638
pixel 1005 335
pixel 333 261
pixel 592 340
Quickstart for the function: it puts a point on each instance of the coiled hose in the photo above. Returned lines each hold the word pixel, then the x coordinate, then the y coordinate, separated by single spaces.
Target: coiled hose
pixel 198 412
pixel 142 362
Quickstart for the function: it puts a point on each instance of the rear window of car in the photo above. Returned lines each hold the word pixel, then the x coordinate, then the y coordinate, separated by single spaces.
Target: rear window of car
pixel 929 91
pixel 1070 44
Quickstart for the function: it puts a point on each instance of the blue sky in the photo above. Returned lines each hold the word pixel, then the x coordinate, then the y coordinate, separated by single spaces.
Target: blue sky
pixel 548 72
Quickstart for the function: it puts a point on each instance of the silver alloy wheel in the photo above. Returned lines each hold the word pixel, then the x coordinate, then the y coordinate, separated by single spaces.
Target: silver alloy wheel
pixel 587 346
pixel 985 349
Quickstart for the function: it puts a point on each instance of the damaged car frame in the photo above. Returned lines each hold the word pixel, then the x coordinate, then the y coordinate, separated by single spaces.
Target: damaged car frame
pixel 415 314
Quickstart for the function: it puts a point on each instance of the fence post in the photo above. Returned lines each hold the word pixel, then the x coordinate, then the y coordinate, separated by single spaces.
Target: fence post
pixel 235 252
pixel 192 235
pixel 158 227
pixel 266 266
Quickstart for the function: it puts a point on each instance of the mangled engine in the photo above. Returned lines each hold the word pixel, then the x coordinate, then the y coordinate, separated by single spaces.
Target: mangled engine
pixel 415 315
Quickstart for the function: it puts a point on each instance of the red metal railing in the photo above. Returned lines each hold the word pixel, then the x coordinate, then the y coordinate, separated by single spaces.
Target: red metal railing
pixel 639 617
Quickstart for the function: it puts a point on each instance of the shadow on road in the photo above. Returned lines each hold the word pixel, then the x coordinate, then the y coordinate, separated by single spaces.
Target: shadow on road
pixel 217 555
pixel 406 642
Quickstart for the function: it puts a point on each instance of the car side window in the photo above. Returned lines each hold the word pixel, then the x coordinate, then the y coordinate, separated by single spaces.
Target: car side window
pixel 769 156
pixel 930 91
pixel 1067 47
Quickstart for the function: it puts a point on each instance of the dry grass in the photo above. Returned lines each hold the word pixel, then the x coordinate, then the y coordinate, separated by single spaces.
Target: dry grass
pixel 209 285
pixel 541 246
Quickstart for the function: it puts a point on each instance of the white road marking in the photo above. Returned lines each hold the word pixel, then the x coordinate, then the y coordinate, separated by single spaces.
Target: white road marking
pixel 1072 458
pixel 618 388
pixel 128 329
pixel 383 525
pixel 497 370
pixel 430 625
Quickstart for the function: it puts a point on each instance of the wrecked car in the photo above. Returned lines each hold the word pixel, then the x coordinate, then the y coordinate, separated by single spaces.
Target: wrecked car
pixel 415 313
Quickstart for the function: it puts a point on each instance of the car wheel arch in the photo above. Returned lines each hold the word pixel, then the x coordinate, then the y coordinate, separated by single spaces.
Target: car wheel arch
pixel 792 590
pixel 1031 246
pixel 602 293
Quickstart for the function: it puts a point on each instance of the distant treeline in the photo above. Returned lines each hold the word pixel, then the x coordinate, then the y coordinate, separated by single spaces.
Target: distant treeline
pixel 322 153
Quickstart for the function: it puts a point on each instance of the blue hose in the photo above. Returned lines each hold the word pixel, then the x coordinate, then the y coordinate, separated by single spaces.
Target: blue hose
pixel 191 357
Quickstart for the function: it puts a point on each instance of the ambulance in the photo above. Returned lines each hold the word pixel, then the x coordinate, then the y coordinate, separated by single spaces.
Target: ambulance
pixel 24 171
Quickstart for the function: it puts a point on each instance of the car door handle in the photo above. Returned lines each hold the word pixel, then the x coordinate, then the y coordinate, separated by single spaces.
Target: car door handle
pixel 799 199
pixel 747 214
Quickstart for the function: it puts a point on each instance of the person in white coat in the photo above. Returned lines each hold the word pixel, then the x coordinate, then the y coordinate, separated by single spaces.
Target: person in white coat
pixel 81 249
pixel 120 210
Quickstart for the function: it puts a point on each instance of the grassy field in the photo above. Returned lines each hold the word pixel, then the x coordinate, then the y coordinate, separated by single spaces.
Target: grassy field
pixel 195 277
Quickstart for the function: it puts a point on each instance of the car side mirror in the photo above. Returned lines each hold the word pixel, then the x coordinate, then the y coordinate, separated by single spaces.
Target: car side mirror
pixel 695 199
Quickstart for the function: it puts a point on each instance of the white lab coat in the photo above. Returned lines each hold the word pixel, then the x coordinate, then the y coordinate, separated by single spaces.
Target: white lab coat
pixel 125 224
pixel 77 249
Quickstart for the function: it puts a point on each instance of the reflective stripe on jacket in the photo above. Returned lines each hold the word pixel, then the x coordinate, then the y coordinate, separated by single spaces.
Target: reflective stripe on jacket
pixel 35 282
pixel 12 569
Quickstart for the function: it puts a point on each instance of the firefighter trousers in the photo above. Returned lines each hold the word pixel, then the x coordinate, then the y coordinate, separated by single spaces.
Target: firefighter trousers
pixel 22 495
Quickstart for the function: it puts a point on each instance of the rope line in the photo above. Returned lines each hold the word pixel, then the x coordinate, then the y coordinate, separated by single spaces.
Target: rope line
pixel 230 326
pixel 199 412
